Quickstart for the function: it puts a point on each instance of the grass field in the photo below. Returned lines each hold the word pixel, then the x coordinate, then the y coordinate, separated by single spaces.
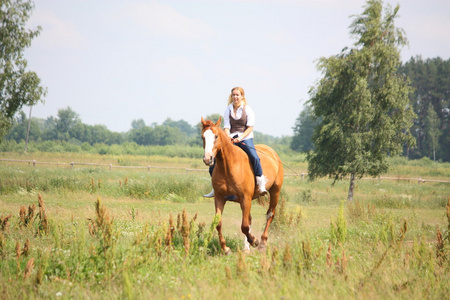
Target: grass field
pixel 92 233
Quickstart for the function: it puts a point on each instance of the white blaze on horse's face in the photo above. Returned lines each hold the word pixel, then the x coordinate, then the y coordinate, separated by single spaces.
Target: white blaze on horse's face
pixel 210 137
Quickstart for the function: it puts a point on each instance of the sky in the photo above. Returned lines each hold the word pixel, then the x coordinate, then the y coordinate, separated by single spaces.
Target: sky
pixel 115 61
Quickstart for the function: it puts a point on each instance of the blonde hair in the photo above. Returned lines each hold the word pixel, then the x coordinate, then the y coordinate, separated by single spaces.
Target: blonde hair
pixel 230 98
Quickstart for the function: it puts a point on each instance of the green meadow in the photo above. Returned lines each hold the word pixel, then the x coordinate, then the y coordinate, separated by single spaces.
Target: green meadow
pixel 94 232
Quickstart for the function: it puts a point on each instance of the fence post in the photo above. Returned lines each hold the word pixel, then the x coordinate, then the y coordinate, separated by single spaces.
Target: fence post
pixel 110 166
pixel 34 163
pixel 72 164
pixel 148 168
pixel 303 174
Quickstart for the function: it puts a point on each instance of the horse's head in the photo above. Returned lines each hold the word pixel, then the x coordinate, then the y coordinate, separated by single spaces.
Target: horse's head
pixel 211 144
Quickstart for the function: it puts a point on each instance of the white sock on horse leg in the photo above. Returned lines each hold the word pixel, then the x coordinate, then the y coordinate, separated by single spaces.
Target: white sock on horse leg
pixel 246 243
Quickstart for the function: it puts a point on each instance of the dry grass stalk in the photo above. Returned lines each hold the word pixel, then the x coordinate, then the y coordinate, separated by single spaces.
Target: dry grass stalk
pixel 179 222
pixel 4 222
pixel 265 264
pixel 29 218
pixel 102 223
pixel 403 230
pixel 307 254
pixel 22 215
pixel 275 255
pixel 26 248
pixel 329 262
pixel 29 268
pixel 201 228
pixel 43 221
pixel 185 228
pixel 341 264
pixel 241 266
pixel 287 256
pixel 39 276
pixel 92 227
pixel 440 254
pixel 228 273
pixel 169 235
pixel 2 245
pixel 159 246
pixel 18 253
pixel 102 214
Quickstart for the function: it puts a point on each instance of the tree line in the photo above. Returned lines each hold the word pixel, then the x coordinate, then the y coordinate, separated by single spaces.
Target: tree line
pixel 430 100
pixel 68 127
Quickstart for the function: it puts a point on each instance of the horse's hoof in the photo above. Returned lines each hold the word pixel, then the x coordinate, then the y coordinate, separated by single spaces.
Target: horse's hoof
pixel 255 243
pixel 262 248
pixel 227 251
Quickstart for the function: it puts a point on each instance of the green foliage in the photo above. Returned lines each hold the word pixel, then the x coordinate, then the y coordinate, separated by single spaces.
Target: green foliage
pixel 338 229
pixel 432 130
pixel 303 130
pixel 18 86
pixel 430 101
pixel 363 104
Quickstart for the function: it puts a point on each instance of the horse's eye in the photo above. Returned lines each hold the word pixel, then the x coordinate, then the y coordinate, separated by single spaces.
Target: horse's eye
pixel 216 136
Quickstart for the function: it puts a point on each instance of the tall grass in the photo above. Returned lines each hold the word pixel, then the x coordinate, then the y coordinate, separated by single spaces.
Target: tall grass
pixel 133 234
pixel 95 258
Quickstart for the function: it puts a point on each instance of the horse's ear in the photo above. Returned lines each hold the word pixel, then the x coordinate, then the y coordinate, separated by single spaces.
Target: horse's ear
pixel 219 121
pixel 203 122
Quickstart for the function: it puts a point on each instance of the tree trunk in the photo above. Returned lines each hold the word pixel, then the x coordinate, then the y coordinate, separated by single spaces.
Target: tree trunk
pixel 351 188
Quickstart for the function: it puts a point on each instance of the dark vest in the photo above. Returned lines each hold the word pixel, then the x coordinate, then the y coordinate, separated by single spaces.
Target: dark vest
pixel 239 125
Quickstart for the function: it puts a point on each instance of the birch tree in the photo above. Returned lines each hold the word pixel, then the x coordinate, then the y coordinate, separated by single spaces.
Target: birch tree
pixel 362 101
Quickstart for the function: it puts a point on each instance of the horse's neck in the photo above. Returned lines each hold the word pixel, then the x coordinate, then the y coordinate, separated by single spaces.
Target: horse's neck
pixel 229 152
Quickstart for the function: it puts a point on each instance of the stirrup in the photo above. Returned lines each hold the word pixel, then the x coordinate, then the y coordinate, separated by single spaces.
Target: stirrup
pixel 210 195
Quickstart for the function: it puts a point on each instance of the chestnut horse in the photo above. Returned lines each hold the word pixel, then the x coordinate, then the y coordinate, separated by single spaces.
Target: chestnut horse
pixel 233 178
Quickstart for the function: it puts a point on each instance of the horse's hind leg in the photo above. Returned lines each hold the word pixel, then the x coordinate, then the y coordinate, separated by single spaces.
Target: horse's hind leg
pixel 274 195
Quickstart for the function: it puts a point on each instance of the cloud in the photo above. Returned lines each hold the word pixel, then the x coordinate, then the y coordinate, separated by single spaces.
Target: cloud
pixel 163 20
pixel 57 34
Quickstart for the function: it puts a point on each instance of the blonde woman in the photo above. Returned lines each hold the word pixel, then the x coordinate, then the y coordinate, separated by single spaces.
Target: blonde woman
pixel 239 120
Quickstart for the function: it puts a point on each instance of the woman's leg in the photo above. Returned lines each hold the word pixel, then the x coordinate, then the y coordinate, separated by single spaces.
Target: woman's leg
pixel 250 149
pixel 210 194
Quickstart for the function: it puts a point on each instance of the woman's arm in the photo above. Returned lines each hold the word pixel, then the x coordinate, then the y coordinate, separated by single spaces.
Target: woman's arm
pixel 243 135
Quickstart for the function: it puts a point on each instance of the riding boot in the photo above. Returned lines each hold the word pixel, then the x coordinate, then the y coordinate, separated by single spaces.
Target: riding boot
pixel 210 195
pixel 261 181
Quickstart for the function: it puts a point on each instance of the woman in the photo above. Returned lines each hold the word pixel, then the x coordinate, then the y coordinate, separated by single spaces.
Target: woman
pixel 239 120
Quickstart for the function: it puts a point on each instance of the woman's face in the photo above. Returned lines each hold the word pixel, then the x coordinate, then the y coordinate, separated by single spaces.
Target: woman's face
pixel 237 97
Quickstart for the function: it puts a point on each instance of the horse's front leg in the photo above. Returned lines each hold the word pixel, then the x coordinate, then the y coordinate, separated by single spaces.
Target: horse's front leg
pixel 246 206
pixel 220 204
